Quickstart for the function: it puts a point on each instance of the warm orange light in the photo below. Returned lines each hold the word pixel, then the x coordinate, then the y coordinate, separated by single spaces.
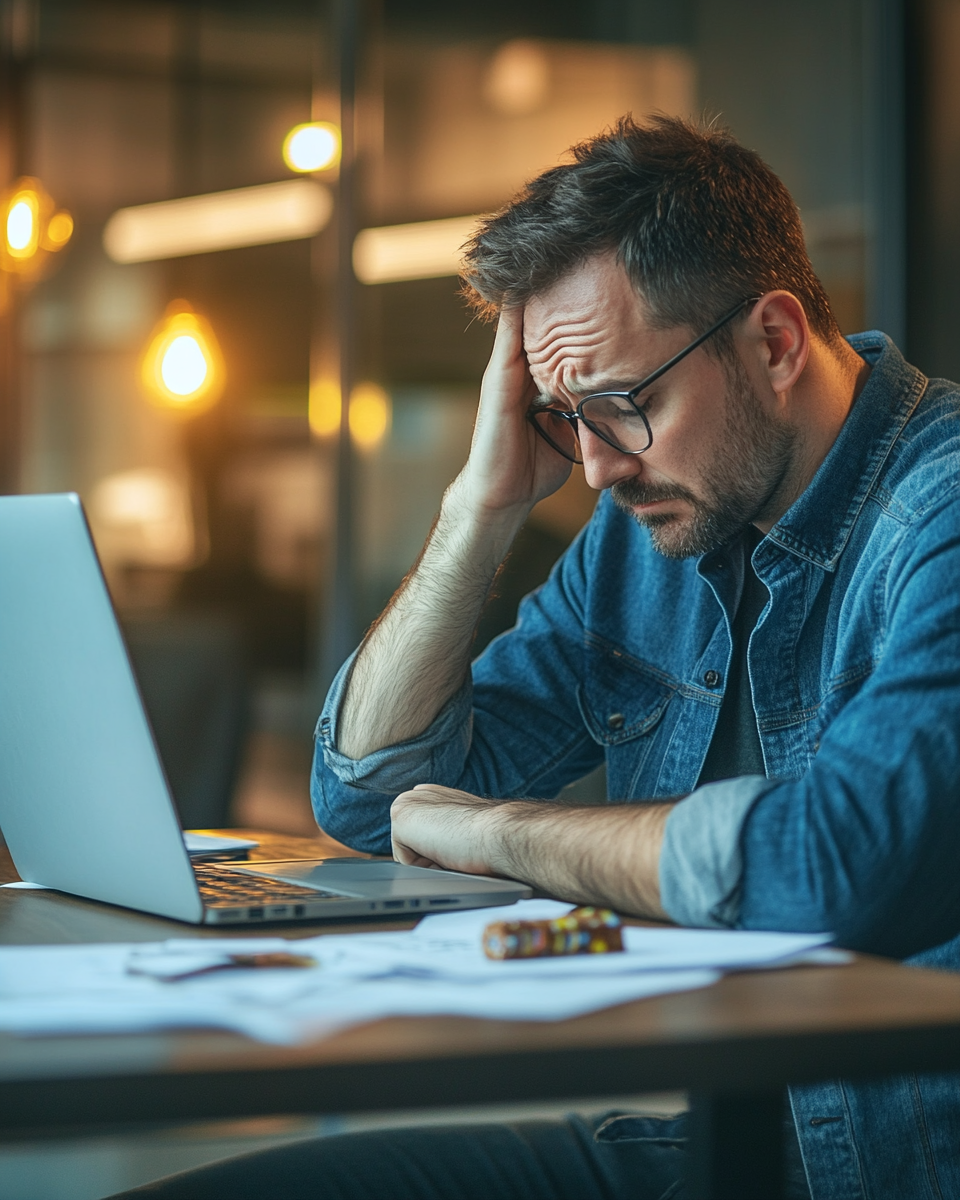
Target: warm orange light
pixel 324 408
pixel 313 146
pixel 183 368
pixel 250 216
pixel 23 224
pixel 30 228
pixel 369 415
pixel 422 250
pixel 370 412
pixel 59 231
pixel 518 78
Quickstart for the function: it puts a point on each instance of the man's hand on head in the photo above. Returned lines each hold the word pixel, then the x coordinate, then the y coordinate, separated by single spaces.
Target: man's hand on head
pixel 418 654
pixel 510 466
pixel 606 855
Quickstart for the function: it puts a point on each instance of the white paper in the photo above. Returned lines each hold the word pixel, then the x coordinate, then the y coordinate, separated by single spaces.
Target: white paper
pixel 437 968
pixel 456 938
pixel 206 843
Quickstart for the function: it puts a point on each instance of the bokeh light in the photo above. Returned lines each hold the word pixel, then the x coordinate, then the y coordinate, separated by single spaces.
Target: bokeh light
pixel 59 230
pixel 369 415
pixel 183 369
pixel 30 229
pixel 313 146
pixel 518 78
pixel 23 225
pixel 370 412
pixel 324 408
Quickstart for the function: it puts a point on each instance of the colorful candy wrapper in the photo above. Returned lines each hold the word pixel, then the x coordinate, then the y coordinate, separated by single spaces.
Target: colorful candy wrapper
pixel 581 931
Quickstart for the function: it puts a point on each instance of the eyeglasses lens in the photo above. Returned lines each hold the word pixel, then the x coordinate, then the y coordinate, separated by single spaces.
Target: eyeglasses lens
pixel 616 420
pixel 559 432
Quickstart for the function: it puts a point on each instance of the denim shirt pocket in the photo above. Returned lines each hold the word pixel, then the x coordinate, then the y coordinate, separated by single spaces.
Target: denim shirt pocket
pixel 622 701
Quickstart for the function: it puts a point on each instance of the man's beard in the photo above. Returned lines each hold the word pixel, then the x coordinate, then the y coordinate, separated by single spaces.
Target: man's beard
pixel 745 473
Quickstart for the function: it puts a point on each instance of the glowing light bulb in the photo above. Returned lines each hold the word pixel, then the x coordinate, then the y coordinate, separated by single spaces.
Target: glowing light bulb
pixel 20 226
pixel 183 368
pixel 314 146
pixel 30 229
pixel 23 225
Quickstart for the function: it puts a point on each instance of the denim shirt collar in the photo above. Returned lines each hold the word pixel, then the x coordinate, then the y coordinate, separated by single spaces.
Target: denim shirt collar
pixel 818 524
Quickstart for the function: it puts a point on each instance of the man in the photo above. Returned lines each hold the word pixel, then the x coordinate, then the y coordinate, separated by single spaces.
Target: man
pixel 758 632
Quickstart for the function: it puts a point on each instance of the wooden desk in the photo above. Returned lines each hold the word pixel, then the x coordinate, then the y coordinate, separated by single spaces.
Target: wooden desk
pixel 734 1046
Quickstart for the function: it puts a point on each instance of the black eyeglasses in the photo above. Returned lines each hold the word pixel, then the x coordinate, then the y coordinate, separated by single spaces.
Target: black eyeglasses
pixel 614 417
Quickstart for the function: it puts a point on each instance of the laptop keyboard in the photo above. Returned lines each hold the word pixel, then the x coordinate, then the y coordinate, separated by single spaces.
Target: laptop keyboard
pixel 219 887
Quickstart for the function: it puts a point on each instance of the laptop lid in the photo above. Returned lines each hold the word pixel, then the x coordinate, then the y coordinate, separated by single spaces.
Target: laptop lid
pixel 84 804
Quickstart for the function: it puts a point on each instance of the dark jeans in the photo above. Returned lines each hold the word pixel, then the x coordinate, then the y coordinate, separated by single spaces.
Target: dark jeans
pixel 614 1157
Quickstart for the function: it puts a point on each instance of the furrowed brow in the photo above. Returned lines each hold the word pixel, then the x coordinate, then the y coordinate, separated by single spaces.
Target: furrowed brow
pixel 542 400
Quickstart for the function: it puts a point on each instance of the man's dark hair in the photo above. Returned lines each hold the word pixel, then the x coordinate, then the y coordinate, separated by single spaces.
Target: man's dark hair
pixel 698 221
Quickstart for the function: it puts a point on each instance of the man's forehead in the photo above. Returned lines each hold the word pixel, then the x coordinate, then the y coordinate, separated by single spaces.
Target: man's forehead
pixel 591 326
pixel 595 300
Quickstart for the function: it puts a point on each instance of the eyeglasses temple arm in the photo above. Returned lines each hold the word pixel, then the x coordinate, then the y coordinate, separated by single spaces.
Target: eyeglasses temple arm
pixel 693 345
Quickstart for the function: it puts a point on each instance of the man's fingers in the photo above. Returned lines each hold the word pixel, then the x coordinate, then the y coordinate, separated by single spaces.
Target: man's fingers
pixel 509 336
pixel 410 858
pixel 508 363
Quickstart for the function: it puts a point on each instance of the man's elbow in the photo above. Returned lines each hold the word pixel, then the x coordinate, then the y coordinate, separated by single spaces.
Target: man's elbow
pixel 354 816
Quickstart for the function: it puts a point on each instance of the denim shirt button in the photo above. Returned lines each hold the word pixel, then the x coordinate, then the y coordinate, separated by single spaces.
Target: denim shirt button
pixel 712 679
pixel 616 720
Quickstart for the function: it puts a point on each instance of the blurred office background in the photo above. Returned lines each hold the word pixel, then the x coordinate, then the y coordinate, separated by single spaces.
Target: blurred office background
pixel 216 518
pixel 216 508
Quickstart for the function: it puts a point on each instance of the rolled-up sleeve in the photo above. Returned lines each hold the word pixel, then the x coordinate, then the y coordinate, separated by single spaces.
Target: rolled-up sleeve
pixel 372 782
pixel 436 754
pixel 701 864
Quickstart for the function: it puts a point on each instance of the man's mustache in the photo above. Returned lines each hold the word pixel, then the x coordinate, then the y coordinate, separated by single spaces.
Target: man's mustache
pixel 631 492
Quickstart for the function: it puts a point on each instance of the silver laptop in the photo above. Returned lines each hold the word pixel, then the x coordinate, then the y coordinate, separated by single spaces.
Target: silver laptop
pixel 84 803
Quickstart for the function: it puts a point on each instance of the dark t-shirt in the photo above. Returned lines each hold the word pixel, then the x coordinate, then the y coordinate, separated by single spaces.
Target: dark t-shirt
pixel 735 746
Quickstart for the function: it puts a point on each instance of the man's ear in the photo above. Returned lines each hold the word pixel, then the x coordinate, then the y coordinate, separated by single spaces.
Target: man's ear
pixel 778 327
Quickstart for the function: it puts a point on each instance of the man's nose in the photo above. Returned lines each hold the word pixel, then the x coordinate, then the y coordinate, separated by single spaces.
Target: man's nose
pixel 603 466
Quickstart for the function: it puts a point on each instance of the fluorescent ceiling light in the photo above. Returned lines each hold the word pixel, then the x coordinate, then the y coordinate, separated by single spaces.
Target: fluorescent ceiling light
pixel 253 216
pixel 424 250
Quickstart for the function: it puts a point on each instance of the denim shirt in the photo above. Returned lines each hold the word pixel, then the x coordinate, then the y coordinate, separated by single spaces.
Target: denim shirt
pixel 854 666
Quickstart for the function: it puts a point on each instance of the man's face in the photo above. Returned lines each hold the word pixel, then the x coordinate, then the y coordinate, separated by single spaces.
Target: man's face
pixel 717 457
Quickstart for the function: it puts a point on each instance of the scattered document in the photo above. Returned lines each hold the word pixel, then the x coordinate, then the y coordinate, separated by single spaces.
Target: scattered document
pixel 210 843
pixel 437 968
pixel 456 938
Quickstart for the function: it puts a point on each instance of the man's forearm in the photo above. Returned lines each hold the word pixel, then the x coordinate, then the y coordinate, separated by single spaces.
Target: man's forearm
pixel 416 656
pixel 607 856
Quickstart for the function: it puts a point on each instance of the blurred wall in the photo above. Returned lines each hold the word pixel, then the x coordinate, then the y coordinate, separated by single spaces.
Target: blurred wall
pixel 228 516
pixel 934 186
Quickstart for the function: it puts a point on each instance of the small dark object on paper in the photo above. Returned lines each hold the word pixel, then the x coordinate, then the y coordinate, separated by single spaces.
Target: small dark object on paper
pixel 173 972
pixel 581 931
